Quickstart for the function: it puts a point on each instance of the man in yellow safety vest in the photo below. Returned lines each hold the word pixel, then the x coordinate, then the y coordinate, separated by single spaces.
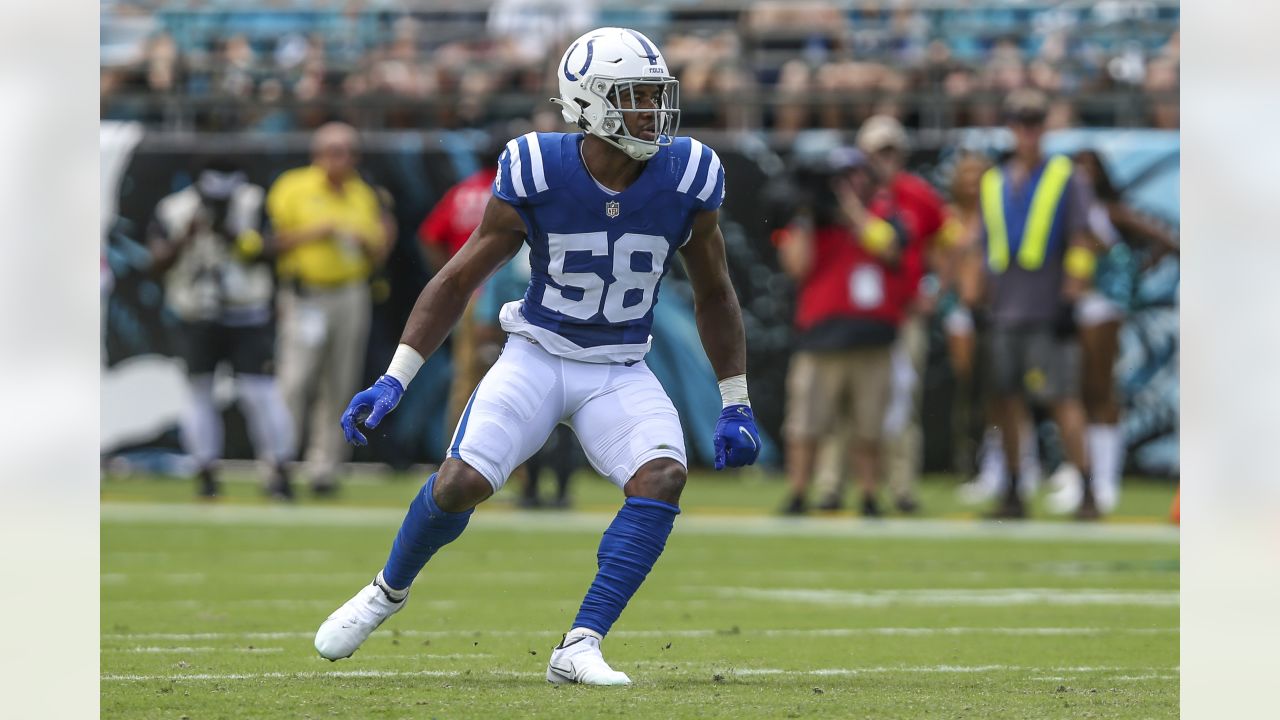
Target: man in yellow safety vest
pixel 1035 259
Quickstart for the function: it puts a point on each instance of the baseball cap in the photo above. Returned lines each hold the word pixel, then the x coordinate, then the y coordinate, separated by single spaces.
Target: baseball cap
pixel 880 132
pixel 1026 105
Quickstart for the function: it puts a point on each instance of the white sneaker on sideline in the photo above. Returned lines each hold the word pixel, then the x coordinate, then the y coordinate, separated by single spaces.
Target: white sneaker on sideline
pixel 1106 497
pixel 577 659
pixel 350 625
pixel 1066 490
pixel 981 490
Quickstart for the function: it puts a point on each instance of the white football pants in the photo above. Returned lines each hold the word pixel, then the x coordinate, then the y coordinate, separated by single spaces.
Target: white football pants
pixel 621 414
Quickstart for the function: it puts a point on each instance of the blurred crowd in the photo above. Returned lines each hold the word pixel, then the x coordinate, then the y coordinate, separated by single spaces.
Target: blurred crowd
pixel 291 65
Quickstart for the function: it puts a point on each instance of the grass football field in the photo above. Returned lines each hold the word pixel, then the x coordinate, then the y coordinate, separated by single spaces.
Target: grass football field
pixel 209 610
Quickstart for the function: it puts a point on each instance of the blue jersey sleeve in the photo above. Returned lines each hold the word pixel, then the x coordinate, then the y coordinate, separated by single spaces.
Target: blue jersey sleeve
pixel 712 195
pixel 702 175
pixel 523 169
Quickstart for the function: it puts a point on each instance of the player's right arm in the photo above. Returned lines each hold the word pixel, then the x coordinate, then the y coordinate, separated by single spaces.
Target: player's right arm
pixel 437 310
pixel 440 305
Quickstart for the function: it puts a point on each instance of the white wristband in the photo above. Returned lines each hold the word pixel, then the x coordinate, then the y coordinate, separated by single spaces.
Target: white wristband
pixel 405 364
pixel 733 391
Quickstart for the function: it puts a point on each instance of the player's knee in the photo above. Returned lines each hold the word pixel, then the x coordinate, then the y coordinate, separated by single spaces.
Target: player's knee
pixel 459 487
pixel 662 479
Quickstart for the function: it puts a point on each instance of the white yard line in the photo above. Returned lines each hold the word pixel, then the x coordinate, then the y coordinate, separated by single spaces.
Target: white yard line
pixel 284 675
pixel 684 633
pixel 1148 673
pixel 690 523
pixel 1016 631
pixel 183 650
pixel 952 669
pixel 987 597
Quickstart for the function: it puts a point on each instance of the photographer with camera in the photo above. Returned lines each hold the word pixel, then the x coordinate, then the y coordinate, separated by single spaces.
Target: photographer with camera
pixel 843 256
pixel 207 241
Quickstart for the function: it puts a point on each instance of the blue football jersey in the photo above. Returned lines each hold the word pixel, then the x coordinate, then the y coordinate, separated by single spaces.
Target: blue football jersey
pixel 596 257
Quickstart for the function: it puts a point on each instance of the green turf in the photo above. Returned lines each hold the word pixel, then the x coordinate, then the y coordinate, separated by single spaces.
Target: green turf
pixel 209 614
pixel 1143 500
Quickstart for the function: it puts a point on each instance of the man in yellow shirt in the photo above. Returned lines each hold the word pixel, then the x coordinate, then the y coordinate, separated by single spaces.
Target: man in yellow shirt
pixel 331 232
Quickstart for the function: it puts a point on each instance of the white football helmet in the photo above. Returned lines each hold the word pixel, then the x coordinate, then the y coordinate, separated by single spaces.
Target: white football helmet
pixel 598 77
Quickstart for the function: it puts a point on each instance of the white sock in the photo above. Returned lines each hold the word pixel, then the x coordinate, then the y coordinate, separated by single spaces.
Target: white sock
pixel 1106 452
pixel 991 459
pixel 583 631
pixel 201 424
pixel 1029 458
pixel 395 595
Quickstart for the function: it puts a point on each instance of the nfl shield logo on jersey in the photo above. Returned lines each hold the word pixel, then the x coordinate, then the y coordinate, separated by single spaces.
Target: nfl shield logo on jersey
pixel 612 208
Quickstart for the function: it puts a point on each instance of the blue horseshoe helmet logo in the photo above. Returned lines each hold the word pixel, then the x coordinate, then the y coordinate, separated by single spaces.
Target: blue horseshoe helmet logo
pixel 590 51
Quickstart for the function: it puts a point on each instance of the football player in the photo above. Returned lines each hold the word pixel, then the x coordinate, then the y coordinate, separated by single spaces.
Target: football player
pixel 603 212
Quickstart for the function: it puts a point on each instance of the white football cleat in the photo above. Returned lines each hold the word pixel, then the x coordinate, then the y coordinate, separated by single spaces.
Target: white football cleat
pixel 577 659
pixel 350 625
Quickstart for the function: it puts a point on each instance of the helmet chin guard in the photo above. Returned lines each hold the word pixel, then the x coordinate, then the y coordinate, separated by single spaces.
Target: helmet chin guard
pixel 612 74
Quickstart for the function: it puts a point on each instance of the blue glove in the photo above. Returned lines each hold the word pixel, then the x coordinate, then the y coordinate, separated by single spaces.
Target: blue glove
pixel 737 439
pixel 369 407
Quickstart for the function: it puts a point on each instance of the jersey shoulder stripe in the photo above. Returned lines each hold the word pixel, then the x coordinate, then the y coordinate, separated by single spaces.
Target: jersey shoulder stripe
pixel 702 176
pixel 514 168
pixel 713 176
pixel 534 143
pixel 528 167
pixel 691 166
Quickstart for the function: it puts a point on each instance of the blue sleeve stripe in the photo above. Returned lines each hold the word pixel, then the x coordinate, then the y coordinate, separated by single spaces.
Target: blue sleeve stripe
pixel 713 176
pixel 535 161
pixel 513 162
pixel 691 168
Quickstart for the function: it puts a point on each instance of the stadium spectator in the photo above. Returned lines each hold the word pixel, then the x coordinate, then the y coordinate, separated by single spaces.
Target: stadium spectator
pixel 331 229
pixel 975 449
pixel 1121 233
pixel 443 233
pixel 207 241
pixel 1099 313
pixel 921 210
pixel 801 38
pixel 961 231
pixel 715 78
pixel 523 33
pixel 841 256
pixel 810 63
pixel 1033 265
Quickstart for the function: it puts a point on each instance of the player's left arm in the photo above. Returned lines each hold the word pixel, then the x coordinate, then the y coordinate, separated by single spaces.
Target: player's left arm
pixel 719 319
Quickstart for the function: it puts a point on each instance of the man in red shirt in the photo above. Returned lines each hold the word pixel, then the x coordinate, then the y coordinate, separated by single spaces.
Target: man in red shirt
pixel 843 258
pixel 458 213
pixel 443 234
pixel 923 213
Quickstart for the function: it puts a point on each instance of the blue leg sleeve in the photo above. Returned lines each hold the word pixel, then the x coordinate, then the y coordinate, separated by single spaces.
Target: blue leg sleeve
pixel 627 553
pixel 426 529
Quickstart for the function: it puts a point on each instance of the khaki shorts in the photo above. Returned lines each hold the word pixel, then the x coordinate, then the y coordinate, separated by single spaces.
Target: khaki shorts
pixel 847 386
